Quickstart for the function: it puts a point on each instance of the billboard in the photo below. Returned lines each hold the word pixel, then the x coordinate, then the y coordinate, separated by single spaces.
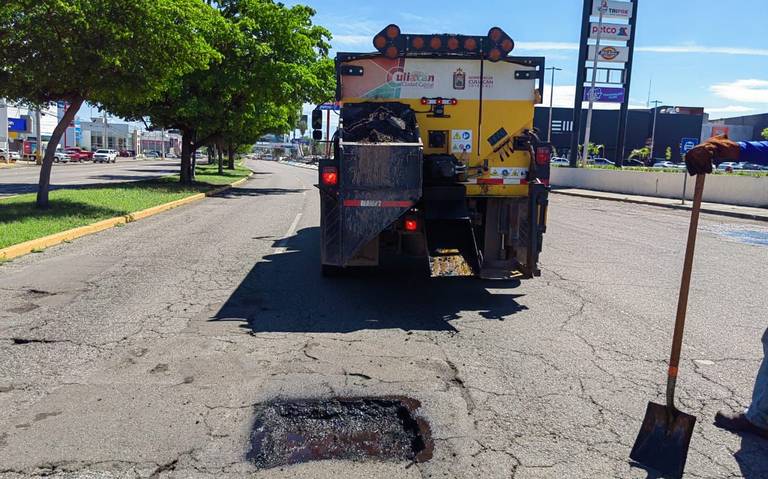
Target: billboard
pixel 609 54
pixel 17 124
pixel 610 31
pixel 605 94
pixel 613 9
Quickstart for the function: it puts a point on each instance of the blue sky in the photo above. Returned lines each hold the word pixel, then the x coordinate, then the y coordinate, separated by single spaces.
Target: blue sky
pixel 696 52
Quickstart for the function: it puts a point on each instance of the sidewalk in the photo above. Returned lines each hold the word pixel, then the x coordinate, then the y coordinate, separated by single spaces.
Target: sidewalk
pixel 745 212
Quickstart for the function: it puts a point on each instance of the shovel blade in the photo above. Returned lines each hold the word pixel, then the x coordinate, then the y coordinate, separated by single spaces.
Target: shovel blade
pixel 664 439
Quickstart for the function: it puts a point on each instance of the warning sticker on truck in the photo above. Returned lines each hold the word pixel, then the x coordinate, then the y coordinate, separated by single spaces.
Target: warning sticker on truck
pixel 461 141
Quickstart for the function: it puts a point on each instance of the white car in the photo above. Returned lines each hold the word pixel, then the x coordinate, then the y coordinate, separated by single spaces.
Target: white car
pixel 727 166
pixel 61 156
pixel 558 161
pixel 105 156
pixel 6 155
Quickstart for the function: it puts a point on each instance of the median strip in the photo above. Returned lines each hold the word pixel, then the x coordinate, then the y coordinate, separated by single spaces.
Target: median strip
pixel 79 212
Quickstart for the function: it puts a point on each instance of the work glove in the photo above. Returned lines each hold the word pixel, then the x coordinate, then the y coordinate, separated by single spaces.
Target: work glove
pixel 699 159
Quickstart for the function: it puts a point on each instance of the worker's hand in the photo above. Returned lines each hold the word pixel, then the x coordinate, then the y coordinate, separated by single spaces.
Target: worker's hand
pixel 699 160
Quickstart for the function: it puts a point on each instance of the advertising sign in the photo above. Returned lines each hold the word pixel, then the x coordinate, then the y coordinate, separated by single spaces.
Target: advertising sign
pixel 613 9
pixel 611 31
pixel 17 124
pixel 605 94
pixel 329 106
pixel 609 54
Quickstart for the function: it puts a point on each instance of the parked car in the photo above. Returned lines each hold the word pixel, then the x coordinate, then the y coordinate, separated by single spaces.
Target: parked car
pixel 152 154
pixel 78 154
pixel 744 166
pixel 600 162
pixel 61 156
pixel 6 155
pixel 664 164
pixel 105 156
pixel 727 166
pixel 559 161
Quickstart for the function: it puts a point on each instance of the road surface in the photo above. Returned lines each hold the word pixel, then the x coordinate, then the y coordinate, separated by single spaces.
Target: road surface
pixel 23 178
pixel 144 350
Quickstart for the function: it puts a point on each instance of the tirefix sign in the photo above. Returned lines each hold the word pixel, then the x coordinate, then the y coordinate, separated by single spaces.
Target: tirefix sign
pixel 609 54
pixel 610 31
pixel 605 94
pixel 612 9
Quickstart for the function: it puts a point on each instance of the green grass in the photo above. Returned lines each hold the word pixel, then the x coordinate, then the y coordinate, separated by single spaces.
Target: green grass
pixel 20 221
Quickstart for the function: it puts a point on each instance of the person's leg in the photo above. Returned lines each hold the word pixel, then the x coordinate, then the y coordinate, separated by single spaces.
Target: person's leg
pixel 755 419
pixel 758 410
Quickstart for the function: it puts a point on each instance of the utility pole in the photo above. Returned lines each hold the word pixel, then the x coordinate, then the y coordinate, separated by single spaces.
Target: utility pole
pixel 551 98
pixel 162 135
pixel 106 138
pixel 653 131
pixel 588 128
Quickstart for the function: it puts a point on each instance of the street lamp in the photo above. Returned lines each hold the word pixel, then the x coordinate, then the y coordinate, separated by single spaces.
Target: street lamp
pixel 653 131
pixel 551 98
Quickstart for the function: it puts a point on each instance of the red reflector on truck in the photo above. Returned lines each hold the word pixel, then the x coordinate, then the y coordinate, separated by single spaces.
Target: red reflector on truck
pixel 377 203
pixel 330 176
pixel 411 224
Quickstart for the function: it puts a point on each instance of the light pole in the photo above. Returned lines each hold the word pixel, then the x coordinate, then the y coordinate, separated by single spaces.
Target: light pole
pixel 585 155
pixel 551 98
pixel 653 131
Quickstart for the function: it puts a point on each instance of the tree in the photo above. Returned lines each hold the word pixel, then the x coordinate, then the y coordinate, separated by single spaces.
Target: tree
pixel 108 53
pixel 764 134
pixel 273 60
pixel 668 153
pixel 642 153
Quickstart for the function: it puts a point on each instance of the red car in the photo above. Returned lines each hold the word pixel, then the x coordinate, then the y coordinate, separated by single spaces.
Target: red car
pixel 78 154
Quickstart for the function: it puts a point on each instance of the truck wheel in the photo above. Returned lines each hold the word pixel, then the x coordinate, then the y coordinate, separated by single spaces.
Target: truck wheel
pixel 329 271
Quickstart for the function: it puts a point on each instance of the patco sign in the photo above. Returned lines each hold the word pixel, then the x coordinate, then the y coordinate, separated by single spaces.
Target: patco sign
pixel 611 31
pixel 613 9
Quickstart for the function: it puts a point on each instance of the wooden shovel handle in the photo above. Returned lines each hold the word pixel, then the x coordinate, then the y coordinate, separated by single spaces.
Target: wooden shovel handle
pixel 682 303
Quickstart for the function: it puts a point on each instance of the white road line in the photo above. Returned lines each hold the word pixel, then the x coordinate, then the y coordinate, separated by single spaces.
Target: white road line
pixel 281 245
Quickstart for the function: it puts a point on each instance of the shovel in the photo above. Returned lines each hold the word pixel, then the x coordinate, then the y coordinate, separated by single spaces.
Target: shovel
pixel 666 432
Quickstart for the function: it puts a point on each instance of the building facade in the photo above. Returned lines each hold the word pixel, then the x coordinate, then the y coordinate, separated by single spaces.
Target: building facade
pixel 673 124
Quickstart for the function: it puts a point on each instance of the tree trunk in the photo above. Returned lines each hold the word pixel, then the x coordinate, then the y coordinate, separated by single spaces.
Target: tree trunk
pixel 231 154
pixel 44 182
pixel 221 158
pixel 186 161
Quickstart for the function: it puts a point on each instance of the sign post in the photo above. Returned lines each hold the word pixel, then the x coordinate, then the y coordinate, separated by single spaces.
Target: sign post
pixel 686 145
pixel 585 154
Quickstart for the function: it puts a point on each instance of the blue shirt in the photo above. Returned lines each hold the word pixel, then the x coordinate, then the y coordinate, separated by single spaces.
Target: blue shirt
pixel 754 152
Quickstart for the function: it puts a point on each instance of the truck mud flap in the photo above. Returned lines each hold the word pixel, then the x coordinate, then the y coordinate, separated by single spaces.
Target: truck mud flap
pixel 535 227
pixel 378 184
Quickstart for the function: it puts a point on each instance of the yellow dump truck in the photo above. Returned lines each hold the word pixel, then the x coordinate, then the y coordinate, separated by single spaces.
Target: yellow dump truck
pixel 435 156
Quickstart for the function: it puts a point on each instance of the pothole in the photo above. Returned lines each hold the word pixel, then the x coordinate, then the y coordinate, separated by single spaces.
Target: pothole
pixel 293 432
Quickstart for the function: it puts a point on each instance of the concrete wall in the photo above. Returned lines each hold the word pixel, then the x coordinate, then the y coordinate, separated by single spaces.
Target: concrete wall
pixel 725 189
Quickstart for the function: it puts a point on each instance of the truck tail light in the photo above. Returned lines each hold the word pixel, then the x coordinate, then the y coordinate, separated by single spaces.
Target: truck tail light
pixel 411 224
pixel 330 176
pixel 543 155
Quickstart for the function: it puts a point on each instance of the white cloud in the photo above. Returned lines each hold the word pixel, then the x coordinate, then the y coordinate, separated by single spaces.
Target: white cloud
pixel 729 109
pixel 761 52
pixel 549 46
pixel 743 91
pixel 352 40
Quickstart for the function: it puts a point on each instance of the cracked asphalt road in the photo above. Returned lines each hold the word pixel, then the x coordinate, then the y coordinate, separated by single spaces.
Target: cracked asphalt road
pixel 142 351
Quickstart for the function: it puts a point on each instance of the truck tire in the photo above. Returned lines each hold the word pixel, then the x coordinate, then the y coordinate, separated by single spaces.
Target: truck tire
pixel 330 271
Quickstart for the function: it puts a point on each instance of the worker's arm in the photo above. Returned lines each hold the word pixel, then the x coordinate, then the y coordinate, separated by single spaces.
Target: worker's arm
pixel 699 160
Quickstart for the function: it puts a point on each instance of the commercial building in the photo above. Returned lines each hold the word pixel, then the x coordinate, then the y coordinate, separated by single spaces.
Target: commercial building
pixel 673 124
pixel 19 128
pixel 740 128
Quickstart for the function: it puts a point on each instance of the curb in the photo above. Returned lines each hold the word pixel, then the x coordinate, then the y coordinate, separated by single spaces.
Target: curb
pixel 306 166
pixel 732 214
pixel 30 246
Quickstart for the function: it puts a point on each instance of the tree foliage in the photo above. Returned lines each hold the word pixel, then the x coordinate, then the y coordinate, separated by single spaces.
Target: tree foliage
pixel 273 60
pixel 764 134
pixel 107 52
